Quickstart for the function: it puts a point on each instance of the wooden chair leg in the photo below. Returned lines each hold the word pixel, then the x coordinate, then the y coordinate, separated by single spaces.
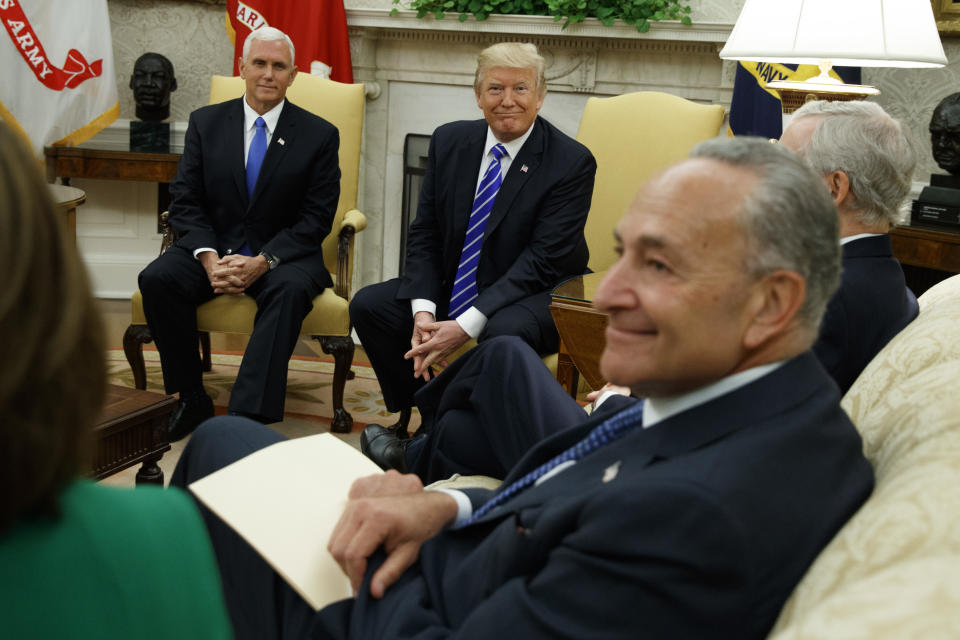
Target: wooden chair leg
pixel 341 348
pixel 134 338
pixel 205 351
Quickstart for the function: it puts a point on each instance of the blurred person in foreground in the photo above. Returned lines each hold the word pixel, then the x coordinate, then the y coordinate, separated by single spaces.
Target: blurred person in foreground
pixel 79 560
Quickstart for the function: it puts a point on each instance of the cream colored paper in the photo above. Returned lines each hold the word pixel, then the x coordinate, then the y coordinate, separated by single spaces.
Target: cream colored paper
pixel 285 500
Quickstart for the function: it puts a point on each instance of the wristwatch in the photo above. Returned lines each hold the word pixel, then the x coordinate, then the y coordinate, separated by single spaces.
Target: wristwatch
pixel 272 261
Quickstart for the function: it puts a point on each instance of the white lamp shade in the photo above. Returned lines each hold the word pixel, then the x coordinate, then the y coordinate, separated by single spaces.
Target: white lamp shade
pixel 857 33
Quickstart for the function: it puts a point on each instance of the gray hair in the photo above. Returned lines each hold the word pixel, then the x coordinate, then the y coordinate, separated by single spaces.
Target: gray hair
pixel 516 55
pixel 790 220
pixel 268 34
pixel 863 141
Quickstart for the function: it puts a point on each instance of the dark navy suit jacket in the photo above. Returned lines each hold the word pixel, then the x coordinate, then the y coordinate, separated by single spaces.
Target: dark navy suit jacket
pixel 534 236
pixel 872 305
pixel 293 203
pixel 698 527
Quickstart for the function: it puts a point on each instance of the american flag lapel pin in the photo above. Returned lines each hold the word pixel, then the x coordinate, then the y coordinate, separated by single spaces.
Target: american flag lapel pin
pixel 524 168
pixel 281 141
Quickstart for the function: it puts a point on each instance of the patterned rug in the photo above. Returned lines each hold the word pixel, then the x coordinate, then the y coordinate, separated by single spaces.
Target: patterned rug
pixel 309 386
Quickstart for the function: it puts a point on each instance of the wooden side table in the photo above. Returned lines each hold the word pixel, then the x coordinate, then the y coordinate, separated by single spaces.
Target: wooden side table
pixel 928 254
pixel 581 329
pixel 926 247
pixel 68 199
pixel 132 429
pixel 110 158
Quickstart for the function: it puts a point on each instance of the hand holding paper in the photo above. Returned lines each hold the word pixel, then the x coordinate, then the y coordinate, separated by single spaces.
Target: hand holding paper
pixel 393 511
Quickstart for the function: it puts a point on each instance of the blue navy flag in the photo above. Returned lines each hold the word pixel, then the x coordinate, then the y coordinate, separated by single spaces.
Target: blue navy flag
pixel 755 110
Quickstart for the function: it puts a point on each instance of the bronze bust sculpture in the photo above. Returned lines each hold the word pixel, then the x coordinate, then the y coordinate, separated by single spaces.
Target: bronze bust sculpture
pixel 945 134
pixel 152 81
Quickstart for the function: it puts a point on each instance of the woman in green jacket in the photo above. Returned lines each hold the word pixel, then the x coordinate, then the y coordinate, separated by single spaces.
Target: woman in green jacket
pixel 77 559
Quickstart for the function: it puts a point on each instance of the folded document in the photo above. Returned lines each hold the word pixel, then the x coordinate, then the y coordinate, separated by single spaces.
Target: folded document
pixel 284 500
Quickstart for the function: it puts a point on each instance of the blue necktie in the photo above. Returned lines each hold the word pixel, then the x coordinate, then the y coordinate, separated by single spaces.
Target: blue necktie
pixel 606 432
pixel 258 149
pixel 465 284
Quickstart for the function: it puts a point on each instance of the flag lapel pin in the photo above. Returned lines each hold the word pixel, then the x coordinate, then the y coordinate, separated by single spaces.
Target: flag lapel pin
pixel 611 472
pixel 281 141
pixel 524 168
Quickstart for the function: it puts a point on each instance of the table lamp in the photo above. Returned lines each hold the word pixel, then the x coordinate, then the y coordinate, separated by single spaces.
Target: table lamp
pixel 856 33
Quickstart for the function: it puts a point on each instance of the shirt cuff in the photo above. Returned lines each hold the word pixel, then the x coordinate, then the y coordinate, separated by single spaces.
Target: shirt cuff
pixel 472 321
pixel 603 397
pixel 197 252
pixel 422 304
pixel 464 506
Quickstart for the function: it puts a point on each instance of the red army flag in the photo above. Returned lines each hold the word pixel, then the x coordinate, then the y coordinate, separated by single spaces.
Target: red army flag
pixel 59 86
pixel 318 29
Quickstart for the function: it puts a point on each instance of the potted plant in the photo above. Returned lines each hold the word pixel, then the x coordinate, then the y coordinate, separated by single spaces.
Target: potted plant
pixel 639 13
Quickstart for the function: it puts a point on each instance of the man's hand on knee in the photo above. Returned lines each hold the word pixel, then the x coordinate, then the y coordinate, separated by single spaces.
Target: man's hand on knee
pixel 446 337
pixel 393 511
pixel 234 273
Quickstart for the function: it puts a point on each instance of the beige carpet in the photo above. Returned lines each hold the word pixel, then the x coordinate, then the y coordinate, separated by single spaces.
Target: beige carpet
pixel 309 386
pixel 309 401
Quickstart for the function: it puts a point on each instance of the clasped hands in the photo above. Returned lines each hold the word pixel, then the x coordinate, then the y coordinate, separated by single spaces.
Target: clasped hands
pixel 389 510
pixel 232 273
pixel 432 342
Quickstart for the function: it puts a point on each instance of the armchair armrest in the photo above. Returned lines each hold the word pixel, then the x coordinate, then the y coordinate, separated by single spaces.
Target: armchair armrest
pixel 167 234
pixel 353 221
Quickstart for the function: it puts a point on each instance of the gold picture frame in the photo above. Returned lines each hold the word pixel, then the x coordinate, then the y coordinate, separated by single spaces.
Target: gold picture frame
pixel 947 15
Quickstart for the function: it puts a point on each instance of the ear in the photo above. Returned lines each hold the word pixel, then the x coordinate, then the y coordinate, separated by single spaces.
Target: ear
pixel 839 184
pixel 173 84
pixel 240 66
pixel 293 74
pixel 774 304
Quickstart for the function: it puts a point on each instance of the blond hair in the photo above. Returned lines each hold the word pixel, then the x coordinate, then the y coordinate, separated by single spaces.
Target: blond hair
pixel 515 55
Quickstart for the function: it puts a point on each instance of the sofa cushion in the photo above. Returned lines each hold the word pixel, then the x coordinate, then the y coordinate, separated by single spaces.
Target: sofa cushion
pixel 893 567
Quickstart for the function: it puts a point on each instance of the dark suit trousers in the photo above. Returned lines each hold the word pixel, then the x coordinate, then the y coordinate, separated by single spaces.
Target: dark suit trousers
pixel 384 325
pixel 260 603
pixel 487 410
pixel 174 285
pixel 262 606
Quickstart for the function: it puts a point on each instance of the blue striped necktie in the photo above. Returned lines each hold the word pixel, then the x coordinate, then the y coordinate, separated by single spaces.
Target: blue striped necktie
pixel 606 432
pixel 465 284
pixel 258 149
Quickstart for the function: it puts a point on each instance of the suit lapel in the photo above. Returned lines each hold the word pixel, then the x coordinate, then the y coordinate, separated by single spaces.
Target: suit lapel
pixel 790 385
pixel 280 142
pixel 234 150
pixel 529 158
pixel 467 169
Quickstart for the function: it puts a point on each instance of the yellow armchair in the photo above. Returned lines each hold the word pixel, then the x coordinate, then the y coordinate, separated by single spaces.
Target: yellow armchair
pixel 631 137
pixel 329 320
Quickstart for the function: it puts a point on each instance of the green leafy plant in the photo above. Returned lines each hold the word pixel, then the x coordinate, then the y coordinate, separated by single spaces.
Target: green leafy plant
pixel 639 13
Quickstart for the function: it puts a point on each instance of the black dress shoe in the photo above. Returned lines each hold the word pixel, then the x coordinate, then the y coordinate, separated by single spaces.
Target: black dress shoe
pixel 188 415
pixel 384 447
